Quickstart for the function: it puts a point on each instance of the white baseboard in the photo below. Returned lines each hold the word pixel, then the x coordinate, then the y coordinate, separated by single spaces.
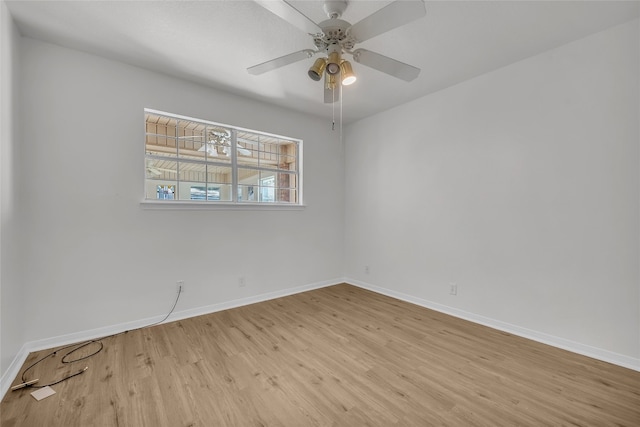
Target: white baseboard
pixel 252 299
pixel 572 346
pixel 596 353
pixel 14 368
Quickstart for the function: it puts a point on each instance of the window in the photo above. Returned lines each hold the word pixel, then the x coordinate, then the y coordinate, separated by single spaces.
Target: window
pixel 197 161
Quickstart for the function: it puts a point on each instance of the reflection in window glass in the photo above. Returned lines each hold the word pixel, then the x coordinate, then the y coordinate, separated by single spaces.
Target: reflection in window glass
pixel 165 192
pixel 267 189
pixel 205 193
pixel 197 160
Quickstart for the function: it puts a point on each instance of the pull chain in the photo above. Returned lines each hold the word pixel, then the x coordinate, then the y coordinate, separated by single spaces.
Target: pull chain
pixel 341 98
pixel 333 108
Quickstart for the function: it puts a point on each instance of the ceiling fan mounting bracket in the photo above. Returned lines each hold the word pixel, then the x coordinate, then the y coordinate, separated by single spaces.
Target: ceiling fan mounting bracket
pixel 334 9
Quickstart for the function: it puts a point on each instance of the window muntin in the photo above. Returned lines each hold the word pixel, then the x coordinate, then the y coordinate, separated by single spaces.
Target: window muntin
pixel 204 162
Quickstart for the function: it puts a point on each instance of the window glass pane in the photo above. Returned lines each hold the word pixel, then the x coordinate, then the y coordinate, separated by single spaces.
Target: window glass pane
pixel 248 177
pixel 287 196
pixel 221 177
pixel 267 187
pixel 285 180
pixel 160 136
pixel 266 152
pixel 159 169
pixel 248 145
pixel 160 172
pixel 191 143
pixel 285 183
pixel 219 174
pixel 247 155
pixel 193 172
pixel 269 154
pixel 248 182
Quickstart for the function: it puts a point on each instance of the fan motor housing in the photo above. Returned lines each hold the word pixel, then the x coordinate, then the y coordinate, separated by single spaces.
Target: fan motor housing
pixel 335 31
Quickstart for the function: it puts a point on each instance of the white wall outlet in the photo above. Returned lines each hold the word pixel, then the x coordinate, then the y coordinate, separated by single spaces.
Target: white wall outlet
pixel 366 269
pixel 242 282
pixel 180 286
pixel 453 289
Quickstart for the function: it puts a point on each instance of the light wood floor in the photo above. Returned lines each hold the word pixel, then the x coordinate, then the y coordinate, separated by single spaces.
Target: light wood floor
pixel 338 356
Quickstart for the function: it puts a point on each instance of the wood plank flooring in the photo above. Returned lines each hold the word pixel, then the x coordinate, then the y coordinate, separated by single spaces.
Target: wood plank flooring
pixel 337 356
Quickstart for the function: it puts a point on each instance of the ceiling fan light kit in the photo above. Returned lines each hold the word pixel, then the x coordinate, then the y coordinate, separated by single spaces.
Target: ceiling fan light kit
pixel 346 72
pixel 335 37
pixel 330 81
pixel 333 63
pixel 317 69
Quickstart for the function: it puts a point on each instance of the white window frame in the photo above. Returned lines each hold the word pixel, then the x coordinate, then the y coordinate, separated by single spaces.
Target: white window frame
pixel 148 203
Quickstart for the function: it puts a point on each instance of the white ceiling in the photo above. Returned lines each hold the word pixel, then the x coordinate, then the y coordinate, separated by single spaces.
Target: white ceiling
pixel 213 42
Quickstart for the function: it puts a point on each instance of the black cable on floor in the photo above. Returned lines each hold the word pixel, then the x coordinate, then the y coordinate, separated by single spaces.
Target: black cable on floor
pixel 79 346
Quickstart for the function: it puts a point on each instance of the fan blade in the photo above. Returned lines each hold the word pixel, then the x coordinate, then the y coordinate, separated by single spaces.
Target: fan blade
pixel 385 64
pixel 290 14
pixel 243 151
pixel 389 17
pixel 210 148
pixel 249 141
pixel 280 62
pixel 154 171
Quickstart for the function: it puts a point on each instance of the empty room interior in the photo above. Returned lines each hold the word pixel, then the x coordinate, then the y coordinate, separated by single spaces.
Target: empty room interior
pixel 363 213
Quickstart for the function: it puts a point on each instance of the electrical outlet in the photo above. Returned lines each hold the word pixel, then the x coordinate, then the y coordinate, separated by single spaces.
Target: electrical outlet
pixel 366 269
pixel 180 286
pixel 453 289
pixel 242 282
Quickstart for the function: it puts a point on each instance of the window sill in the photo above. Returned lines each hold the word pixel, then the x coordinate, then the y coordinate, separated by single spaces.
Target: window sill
pixel 189 205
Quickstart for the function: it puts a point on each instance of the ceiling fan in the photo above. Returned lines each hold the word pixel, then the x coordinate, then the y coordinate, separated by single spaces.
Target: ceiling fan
pixel 219 142
pixel 335 37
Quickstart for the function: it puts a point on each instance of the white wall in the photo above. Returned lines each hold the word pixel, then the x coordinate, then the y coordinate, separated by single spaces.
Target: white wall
pixel 11 284
pixel 96 257
pixel 521 186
